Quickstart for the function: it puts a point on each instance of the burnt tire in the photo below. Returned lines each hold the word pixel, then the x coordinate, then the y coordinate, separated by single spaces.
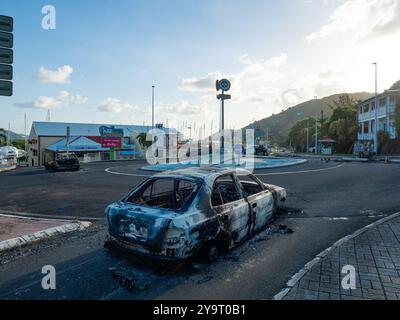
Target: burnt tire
pixel 212 253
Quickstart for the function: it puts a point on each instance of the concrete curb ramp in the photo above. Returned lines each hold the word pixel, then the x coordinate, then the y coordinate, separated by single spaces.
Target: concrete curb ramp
pixel 42 235
pixel 299 275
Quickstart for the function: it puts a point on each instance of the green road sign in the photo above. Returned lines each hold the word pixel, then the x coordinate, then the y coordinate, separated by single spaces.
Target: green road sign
pixel 6 56
pixel 6 88
pixel 6 23
pixel 6 40
pixel 6 71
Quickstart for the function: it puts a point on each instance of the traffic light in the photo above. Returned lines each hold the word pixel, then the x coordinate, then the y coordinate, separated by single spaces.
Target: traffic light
pixel 6 55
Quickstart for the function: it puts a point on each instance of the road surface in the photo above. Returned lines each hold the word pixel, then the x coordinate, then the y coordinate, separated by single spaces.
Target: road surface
pixel 326 201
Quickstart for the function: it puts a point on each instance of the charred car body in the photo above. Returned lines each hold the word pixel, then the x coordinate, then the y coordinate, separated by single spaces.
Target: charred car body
pixel 174 214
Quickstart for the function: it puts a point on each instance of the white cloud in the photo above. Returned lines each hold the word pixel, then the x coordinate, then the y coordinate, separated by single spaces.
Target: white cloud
pixel 184 107
pixel 266 86
pixel 64 98
pixel 114 105
pixel 363 18
pixel 61 75
pixel 202 84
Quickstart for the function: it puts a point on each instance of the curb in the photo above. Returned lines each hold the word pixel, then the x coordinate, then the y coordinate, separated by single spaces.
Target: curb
pixel 6 169
pixel 41 235
pixel 39 216
pixel 298 162
pixel 307 267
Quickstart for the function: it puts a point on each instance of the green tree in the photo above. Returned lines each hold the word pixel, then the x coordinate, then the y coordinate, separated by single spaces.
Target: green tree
pixel 343 124
pixel 298 134
pixel 142 140
pixel 397 115
pixel 19 144
pixel 383 139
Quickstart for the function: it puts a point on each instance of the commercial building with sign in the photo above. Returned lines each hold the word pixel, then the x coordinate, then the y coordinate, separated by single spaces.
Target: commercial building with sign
pixel 85 140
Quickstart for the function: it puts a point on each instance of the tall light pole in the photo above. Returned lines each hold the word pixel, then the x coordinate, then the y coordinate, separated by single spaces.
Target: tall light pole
pixel 152 107
pixel 190 132
pixel 316 128
pixel 308 135
pixel 376 109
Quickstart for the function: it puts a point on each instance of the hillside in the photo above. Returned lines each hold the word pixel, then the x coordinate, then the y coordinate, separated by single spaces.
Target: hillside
pixel 280 124
pixel 14 136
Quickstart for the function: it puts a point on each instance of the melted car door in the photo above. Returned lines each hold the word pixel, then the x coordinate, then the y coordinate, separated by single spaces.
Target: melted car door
pixel 231 207
pixel 260 200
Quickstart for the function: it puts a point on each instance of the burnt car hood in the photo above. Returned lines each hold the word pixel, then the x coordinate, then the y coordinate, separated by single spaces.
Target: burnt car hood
pixel 139 225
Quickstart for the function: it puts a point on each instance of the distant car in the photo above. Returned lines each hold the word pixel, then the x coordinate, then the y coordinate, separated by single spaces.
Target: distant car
pixel 61 162
pixel 257 150
pixel 176 214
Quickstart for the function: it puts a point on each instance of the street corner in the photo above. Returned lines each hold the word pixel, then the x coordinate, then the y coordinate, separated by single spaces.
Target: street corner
pixel 18 231
pixel 361 266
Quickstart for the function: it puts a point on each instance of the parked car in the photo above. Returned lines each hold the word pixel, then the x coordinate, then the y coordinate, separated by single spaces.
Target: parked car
pixel 61 161
pixel 176 214
pixel 257 150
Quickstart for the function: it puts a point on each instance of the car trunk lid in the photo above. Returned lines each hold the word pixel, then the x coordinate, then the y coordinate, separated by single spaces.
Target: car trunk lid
pixel 140 225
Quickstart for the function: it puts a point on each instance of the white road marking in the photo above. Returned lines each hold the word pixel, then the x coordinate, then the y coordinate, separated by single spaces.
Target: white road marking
pixel 27 215
pixel 302 171
pixel 108 170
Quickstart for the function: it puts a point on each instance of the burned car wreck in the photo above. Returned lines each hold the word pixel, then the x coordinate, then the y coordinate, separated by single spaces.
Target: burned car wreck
pixel 173 215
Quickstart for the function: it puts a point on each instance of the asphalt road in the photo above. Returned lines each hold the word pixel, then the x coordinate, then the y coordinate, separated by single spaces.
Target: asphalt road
pixel 326 201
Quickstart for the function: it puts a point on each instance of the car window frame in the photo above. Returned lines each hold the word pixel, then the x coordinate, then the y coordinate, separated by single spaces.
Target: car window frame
pixel 255 179
pixel 198 184
pixel 238 189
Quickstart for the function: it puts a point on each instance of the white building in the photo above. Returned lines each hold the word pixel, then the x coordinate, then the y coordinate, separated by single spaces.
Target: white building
pixel 385 115
pixel 85 141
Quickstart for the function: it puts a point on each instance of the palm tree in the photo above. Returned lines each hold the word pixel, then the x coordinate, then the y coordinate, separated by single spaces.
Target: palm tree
pixel 3 137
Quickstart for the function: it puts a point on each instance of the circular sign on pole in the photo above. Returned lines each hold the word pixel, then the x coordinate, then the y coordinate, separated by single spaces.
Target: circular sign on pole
pixel 224 84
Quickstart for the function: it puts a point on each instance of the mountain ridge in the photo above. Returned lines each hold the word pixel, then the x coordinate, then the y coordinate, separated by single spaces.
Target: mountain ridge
pixel 279 125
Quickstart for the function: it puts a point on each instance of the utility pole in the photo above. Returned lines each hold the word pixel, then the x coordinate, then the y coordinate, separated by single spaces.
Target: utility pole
pixel 152 107
pixel 9 135
pixel 316 128
pixel 376 109
pixel 26 137
pixel 322 124
pixel 308 135
pixel 316 135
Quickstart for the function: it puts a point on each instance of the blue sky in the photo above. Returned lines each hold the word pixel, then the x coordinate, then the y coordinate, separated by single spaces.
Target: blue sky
pixel 100 62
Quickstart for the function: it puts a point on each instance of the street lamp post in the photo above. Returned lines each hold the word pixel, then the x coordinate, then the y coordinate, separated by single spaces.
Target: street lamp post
pixel 190 132
pixel 152 107
pixel 376 109
pixel 316 128
pixel 308 135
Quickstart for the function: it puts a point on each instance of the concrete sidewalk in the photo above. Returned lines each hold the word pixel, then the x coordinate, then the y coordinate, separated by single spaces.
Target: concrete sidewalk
pixel 18 231
pixel 374 252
